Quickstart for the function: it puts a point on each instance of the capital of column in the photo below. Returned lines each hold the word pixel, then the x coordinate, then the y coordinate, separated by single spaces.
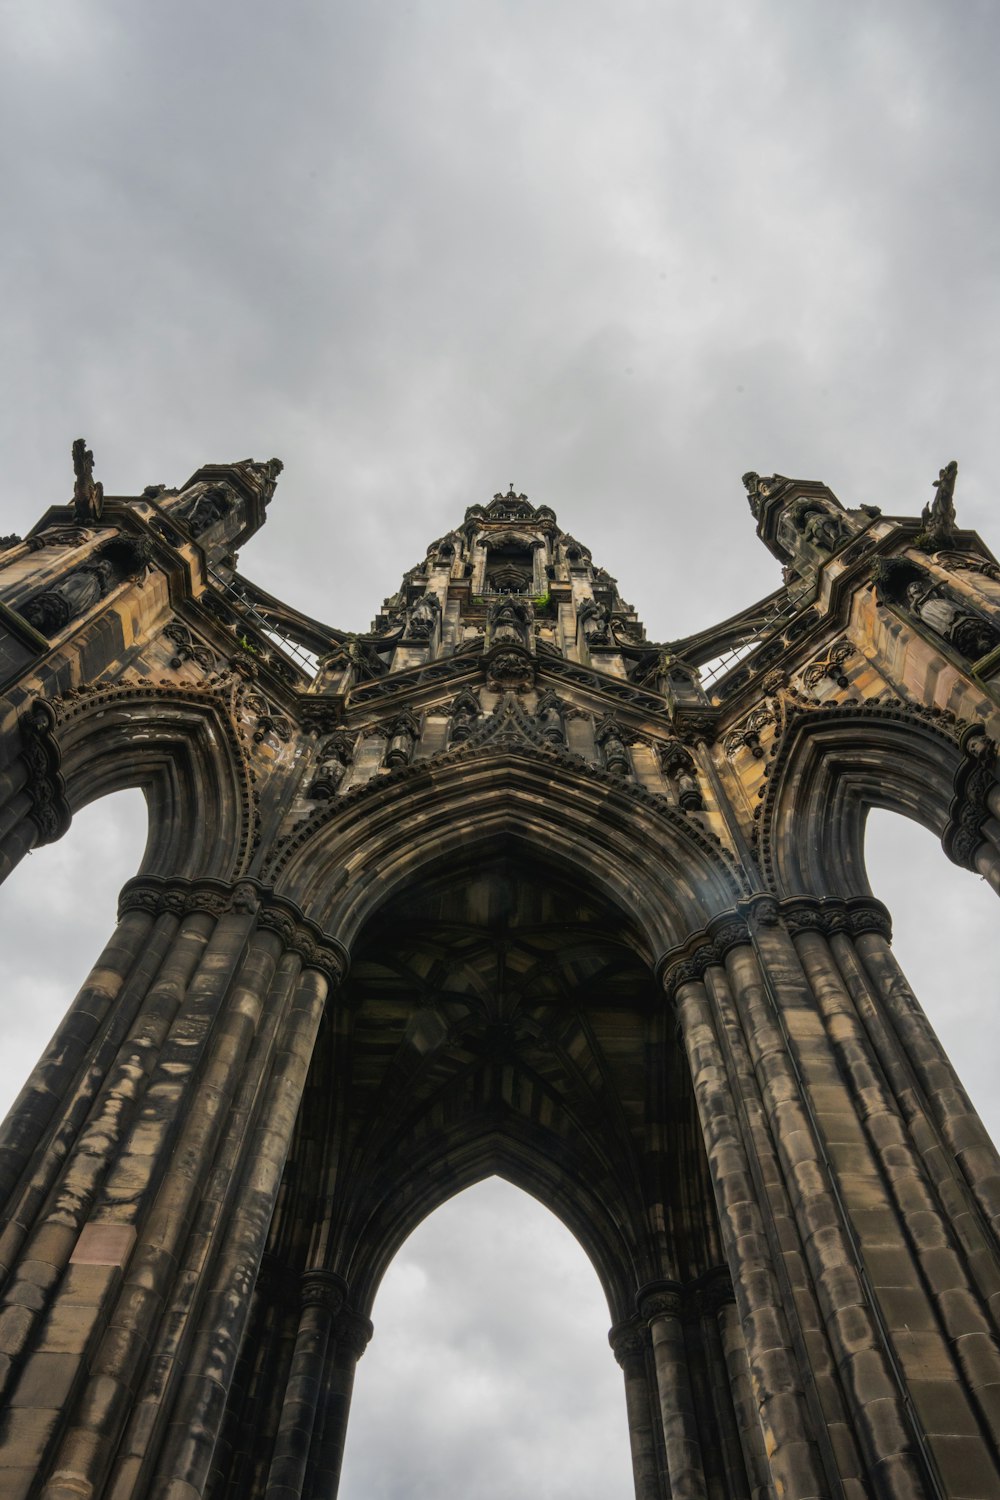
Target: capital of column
pixel 659 1299
pixel 353 1331
pixel 627 1339
pixel 323 1289
pixel 217 898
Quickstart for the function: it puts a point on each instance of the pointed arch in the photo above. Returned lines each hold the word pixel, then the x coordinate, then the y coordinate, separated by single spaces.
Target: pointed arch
pixel 836 763
pixel 652 861
pixel 178 745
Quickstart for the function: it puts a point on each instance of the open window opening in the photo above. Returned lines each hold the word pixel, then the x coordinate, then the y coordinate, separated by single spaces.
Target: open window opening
pixel 57 909
pixel 490 1372
pixel 946 936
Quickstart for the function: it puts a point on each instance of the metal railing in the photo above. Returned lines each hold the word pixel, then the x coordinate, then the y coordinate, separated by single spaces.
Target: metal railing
pixel 307 661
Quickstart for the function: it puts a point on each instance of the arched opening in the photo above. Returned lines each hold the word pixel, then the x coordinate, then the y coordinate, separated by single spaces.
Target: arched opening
pixel 491 1362
pixel 498 1021
pixel 56 910
pixel 946 935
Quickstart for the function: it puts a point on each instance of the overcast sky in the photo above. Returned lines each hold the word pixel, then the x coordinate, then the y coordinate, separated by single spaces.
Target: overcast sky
pixel 617 254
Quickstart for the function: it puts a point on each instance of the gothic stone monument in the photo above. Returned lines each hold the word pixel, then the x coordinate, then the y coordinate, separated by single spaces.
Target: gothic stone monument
pixel 499 886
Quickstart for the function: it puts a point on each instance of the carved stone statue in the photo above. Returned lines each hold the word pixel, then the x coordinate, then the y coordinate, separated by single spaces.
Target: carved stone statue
pixel 938 516
pixel 403 735
pixel 823 527
pixel 423 618
pixel 593 619
pixel 609 737
pixel 961 624
pixel 509 620
pixel 202 506
pixel 679 768
pixel 52 610
pixel 88 495
pixel 548 716
pixel 465 713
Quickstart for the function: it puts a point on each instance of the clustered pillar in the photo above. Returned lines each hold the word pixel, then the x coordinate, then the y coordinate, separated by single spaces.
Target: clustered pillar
pixel 858 1199
pixel 143 1161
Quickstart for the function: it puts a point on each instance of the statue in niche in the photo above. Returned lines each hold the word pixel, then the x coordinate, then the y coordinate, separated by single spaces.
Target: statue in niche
pixel 679 768
pixel 203 506
pixel 594 621
pixel 403 733
pixel 51 611
pixel 969 630
pixel 332 768
pixel 510 620
pixel 549 718
pixel 464 713
pixel 961 624
pixel 423 618
pixel 823 527
pixel 609 737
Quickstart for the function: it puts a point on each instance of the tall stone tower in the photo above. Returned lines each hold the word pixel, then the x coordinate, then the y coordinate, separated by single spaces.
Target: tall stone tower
pixel 500 886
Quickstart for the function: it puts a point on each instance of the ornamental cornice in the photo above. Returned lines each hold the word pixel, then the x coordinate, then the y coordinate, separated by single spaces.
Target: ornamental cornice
pixel 270 912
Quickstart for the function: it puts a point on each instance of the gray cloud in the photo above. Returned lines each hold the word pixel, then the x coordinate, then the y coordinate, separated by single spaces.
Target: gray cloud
pixel 616 254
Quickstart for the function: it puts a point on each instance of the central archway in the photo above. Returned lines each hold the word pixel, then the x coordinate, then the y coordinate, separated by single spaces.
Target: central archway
pixel 499 1019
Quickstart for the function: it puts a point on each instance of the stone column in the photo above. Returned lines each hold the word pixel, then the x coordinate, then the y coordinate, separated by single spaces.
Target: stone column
pixel 946 1099
pixel 778 1391
pixel 923 1255
pixel 170 1152
pixel 629 1342
pixel 740 1388
pixel 784 1036
pixel 349 1339
pixel 660 1306
pixel 323 1295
